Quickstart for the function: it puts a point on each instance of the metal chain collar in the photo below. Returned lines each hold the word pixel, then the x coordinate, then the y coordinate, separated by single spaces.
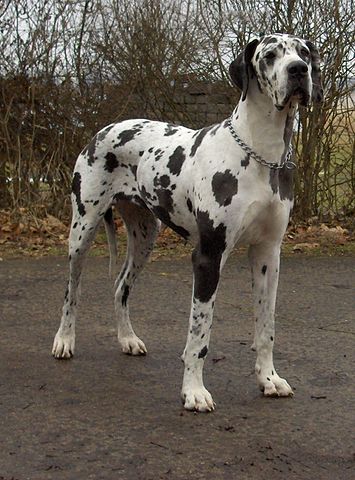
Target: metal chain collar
pixel 274 166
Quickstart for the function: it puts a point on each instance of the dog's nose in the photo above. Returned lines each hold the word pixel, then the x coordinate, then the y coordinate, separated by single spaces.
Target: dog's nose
pixel 297 69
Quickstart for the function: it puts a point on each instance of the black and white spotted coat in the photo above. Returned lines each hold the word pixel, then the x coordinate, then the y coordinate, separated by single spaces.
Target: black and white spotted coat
pixel 204 186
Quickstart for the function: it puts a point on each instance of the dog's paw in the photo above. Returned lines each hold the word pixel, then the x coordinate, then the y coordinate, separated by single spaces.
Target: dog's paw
pixel 197 399
pixel 63 345
pixel 132 345
pixel 275 386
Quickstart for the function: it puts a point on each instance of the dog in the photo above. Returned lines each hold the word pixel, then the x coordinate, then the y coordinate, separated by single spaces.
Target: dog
pixel 220 186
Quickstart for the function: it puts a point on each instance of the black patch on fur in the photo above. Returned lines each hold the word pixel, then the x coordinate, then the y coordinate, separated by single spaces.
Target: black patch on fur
pixel 164 216
pixel 170 129
pixel 89 150
pixel 198 139
pixel 134 170
pixel 91 147
pixel 165 199
pixel 262 68
pixel 224 187
pixel 263 270
pixel 102 134
pixel 127 135
pixel 162 210
pixel 214 129
pixel 158 154
pixel 267 40
pixel 203 352
pixel 163 181
pixel 145 193
pixel 189 205
pixel 136 199
pixel 125 295
pixel 111 162
pixel 196 327
pixel 176 160
pixel 109 216
pixel 282 48
pixel 76 188
pixel 207 256
pixel 245 162
pixel 270 62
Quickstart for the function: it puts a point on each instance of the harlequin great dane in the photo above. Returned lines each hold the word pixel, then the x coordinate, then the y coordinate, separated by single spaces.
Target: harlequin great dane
pixel 220 186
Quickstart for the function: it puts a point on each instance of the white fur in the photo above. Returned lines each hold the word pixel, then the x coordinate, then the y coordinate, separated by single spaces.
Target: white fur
pixel 203 185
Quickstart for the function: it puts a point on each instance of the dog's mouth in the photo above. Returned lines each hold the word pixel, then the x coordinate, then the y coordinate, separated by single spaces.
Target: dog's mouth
pixel 298 94
pixel 301 95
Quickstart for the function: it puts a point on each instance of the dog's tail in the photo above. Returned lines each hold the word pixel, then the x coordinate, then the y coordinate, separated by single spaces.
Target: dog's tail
pixel 111 238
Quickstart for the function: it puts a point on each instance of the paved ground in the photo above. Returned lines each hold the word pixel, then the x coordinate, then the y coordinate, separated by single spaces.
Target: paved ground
pixel 104 415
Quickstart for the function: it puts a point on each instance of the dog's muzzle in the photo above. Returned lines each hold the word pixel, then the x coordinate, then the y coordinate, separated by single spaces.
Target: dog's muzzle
pixel 298 83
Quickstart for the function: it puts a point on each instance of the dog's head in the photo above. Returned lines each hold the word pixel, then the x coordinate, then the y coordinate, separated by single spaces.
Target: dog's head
pixel 285 68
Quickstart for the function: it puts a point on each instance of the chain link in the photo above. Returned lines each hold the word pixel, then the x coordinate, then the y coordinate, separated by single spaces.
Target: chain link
pixel 274 166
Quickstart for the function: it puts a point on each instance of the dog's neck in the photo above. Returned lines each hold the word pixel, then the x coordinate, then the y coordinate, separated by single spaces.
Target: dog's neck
pixel 262 127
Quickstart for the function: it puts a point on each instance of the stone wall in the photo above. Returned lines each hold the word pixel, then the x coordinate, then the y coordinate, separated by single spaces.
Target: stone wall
pixel 202 109
pixel 194 109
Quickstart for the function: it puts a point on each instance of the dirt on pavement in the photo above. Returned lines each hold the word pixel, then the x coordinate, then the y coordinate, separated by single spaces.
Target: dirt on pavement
pixel 105 415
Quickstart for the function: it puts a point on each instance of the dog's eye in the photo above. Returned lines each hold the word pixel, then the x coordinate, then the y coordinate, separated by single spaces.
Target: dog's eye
pixel 305 53
pixel 270 56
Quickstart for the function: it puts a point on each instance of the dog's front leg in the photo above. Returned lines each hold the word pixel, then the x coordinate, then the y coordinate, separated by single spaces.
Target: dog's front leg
pixel 206 265
pixel 265 261
pixel 194 395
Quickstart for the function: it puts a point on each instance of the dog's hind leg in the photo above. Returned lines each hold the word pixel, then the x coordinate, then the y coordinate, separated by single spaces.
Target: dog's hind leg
pixel 142 229
pixel 82 232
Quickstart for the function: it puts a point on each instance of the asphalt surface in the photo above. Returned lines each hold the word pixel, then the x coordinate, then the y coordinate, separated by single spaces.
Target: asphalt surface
pixel 105 415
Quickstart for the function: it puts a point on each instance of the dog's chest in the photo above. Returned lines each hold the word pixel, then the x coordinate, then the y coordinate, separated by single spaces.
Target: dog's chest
pixel 177 183
pixel 263 220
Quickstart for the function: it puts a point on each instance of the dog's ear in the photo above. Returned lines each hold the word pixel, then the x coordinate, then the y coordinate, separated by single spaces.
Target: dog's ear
pixel 241 69
pixel 317 90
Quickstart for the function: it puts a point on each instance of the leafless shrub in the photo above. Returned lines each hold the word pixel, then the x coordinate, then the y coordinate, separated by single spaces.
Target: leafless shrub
pixel 70 67
pixel 325 140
